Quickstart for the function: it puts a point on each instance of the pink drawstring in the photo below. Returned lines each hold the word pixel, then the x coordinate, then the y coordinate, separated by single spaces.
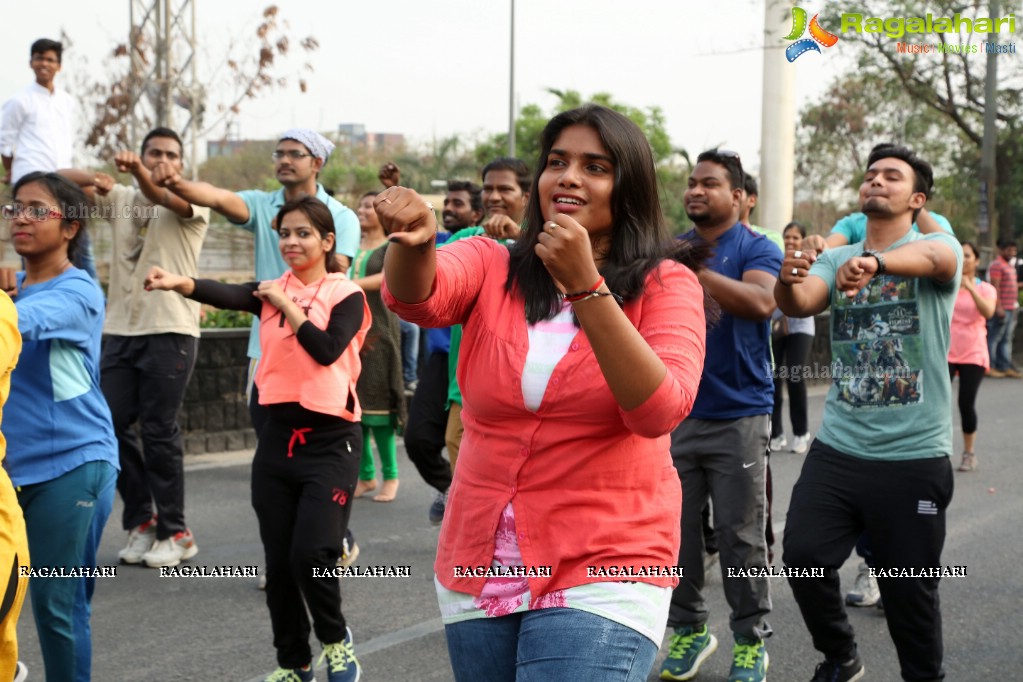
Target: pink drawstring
pixel 299 435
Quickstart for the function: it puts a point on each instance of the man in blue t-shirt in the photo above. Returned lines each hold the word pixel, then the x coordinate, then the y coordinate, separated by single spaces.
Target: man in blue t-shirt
pixel 880 463
pixel 720 449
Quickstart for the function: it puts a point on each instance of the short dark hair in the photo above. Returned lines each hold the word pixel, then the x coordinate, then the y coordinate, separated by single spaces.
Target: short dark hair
pixel 749 185
pixel 923 173
pixel 798 226
pixel 474 190
pixel 639 235
pixel 320 217
pixel 162 132
pixel 508 163
pixel 46 45
pixel 731 162
pixel 74 205
pixel 1006 242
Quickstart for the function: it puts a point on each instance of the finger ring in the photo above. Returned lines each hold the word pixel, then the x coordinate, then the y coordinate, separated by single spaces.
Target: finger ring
pixel 553 225
pixel 428 205
pixel 797 254
pixel 795 271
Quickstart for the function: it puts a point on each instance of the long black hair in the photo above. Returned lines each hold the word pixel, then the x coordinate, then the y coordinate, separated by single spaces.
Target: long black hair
pixel 639 236
pixel 71 200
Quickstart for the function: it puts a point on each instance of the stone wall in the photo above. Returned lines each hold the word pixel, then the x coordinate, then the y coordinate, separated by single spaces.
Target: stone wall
pixel 215 416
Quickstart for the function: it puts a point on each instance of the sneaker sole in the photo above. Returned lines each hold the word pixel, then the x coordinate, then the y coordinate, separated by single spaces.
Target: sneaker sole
pixel 861 602
pixel 711 647
pixel 192 550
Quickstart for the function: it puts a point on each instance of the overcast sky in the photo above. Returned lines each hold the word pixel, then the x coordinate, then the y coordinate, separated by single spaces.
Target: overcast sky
pixel 437 67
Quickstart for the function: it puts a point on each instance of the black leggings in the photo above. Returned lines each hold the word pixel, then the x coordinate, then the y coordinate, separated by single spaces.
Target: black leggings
pixel 303 480
pixel 790 353
pixel 970 377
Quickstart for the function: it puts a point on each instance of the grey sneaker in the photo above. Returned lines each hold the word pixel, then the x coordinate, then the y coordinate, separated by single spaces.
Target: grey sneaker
pixel 865 591
pixel 140 541
pixel 437 508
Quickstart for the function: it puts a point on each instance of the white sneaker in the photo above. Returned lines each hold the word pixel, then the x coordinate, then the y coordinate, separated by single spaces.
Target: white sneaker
pixel 172 551
pixel 20 672
pixel 140 541
pixel 778 444
pixel 865 591
pixel 800 444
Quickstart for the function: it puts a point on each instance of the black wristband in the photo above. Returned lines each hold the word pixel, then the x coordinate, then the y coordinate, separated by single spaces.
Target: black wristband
pixel 876 255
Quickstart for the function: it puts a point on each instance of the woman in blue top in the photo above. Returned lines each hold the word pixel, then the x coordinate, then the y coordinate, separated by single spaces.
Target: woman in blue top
pixel 61 450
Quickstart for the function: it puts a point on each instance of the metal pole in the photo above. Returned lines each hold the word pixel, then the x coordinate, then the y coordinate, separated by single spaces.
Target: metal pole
pixel 988 175
pixel 511 87
pixel 778 123
pixel 194 92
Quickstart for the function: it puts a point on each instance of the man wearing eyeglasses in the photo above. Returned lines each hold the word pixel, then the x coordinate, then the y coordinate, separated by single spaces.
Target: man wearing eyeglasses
pixel 151 342
pixel 720 450
pixel 298 159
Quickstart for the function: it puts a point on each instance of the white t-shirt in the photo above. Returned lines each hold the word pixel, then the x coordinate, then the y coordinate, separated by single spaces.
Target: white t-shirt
pixel 36 130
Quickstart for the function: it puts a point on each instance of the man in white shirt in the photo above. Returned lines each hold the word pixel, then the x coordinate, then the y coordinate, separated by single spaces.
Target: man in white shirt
pixel 35 132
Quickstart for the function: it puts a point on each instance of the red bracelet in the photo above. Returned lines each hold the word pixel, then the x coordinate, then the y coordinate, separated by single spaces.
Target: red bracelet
pixel 580 295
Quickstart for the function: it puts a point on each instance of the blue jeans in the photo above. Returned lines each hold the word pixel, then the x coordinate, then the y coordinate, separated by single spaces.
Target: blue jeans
pixel 549 645
pixel 65 518
pixel 1000 331
pixel 409 351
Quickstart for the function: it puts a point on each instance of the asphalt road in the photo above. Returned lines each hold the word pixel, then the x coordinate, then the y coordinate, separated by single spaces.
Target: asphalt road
pixel 161 629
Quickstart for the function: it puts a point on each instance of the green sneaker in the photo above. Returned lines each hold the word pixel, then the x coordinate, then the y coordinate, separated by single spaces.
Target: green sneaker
pixel 749 660
pixel 688 648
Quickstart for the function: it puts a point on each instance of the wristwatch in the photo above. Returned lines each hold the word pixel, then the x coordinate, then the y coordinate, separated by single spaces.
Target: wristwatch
pixel 876 255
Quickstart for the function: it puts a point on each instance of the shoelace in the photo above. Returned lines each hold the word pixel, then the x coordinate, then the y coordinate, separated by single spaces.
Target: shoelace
pixel 679 644
pixel 746 655
pixel 283 675
pixel 338 655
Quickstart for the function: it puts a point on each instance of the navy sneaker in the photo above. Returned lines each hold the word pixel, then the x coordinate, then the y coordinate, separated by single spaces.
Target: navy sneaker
pixel 342 666
pixel 833 671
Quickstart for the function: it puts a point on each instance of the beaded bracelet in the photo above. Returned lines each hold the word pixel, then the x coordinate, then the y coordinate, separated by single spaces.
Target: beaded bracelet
pixel 593 293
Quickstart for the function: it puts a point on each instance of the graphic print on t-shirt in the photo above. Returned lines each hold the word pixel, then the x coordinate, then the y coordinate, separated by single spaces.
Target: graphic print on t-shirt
pixel 876 345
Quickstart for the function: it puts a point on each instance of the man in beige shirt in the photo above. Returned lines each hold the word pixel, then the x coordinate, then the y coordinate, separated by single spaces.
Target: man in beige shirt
pixel 150 346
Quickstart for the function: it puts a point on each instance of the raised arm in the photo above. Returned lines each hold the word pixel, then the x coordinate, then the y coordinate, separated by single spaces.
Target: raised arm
pixel 223 201
pixel 410 264
pixel 129 162
pixel 797 294
pixel 934 259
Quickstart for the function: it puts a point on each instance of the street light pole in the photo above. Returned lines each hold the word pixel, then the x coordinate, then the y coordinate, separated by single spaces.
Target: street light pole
pixel 511 87
pixel 988 173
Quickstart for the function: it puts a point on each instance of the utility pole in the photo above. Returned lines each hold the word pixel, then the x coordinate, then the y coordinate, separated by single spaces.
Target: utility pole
pixel 511 87
pixel 986 219
pixel 162 43
pixel 778 122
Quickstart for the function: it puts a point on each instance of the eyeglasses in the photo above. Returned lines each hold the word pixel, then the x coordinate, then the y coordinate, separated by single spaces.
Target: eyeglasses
pixel 292 154
pixel 36 214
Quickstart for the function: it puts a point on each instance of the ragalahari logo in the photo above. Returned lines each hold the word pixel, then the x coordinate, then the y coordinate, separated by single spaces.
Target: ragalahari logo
pixel 818 35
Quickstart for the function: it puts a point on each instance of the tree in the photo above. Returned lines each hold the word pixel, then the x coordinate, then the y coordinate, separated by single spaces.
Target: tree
pixel 530 122
pixel 857 112
pixel 249 68
pixel 949 84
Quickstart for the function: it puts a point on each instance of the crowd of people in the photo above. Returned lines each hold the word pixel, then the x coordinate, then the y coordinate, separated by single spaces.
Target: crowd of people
pixel 582 368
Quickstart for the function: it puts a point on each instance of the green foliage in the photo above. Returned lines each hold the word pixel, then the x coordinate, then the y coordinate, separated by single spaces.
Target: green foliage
pixel 247 166
pixel 532 118
pixel 945 94
pixel 225 319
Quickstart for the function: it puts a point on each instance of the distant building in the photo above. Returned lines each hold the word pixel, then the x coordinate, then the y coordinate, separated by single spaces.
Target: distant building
pixel 353 136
